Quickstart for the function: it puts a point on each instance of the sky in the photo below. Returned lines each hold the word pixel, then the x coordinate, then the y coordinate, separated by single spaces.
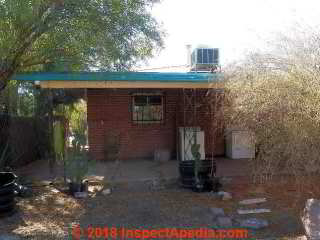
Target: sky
pixel 233 26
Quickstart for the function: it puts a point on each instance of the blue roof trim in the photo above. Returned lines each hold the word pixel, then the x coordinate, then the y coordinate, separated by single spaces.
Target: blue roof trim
pixel 119 76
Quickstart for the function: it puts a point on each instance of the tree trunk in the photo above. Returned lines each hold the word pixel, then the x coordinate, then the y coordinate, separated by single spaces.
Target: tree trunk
pixel 5 75
pixel 52 159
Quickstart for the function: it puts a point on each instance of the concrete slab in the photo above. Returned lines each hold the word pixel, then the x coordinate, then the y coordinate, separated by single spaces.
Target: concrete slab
pixel 119 172
pixel 125 171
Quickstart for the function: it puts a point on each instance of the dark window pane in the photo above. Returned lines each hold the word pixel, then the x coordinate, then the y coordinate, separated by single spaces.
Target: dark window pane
pixel 205 55
pixel 157 113
pixel 155 100
pixel 148 109
pixel 210 55
pixel 140 100
pixel 199 56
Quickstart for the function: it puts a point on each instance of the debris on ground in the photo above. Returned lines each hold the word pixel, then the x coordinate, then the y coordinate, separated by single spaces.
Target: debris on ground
pixel 94 189
pixel 249 211
pixel 252 201
pixel 54 190
pixel 311 220
pixel 255 223
pixel 42 183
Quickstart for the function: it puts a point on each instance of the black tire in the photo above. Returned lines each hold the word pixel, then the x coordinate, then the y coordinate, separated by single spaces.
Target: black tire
pixel 7 187
pixel 6 198
pixel 6 190
pixel 7 207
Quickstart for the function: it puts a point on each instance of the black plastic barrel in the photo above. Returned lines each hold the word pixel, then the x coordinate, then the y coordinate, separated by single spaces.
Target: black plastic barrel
pixel 187 176
pixel 7 187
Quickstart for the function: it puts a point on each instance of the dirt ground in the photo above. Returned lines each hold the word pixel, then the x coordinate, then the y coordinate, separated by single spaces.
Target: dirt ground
pixel 48 214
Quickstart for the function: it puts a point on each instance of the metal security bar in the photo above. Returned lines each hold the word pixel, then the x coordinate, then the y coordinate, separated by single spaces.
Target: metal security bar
pixel 148 108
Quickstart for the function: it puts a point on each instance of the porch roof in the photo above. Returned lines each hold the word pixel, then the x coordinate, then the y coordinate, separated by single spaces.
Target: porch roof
pixel 121 79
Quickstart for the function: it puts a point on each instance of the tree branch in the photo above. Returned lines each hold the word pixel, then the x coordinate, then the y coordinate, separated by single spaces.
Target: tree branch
pixel 26 64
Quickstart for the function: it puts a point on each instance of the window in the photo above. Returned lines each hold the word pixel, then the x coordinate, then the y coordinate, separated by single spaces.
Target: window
pixel 147 108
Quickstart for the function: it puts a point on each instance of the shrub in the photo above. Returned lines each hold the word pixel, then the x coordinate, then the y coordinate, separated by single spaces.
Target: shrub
pixel 276 94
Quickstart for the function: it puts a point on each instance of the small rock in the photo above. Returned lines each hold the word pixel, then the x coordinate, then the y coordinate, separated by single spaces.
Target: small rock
pixel 106 191
pixel 217 212
pixel 222 195
pixel 93 189
pixel 311 219
pixel 302 238
pixel 216 195
pixel 254 223
pixel 60 201
pixel 80 194
pixel 249 211
pixel 224 222
pixel 156 185
pixel 225 195
pixel 54 190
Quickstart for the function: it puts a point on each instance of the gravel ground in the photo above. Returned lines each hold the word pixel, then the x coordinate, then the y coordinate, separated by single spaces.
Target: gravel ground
pixel 48 214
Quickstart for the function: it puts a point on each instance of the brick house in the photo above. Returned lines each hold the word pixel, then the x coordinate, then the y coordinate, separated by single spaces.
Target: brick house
pixel 145 110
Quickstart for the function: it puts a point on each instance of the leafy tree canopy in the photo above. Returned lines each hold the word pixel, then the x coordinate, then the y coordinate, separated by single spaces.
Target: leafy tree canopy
pixel 83 34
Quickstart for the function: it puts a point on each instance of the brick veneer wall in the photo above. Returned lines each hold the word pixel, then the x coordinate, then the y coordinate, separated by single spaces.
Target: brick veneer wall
pixel 109 110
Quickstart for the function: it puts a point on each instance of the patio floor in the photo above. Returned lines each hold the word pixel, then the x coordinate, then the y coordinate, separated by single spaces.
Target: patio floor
pixel 133 171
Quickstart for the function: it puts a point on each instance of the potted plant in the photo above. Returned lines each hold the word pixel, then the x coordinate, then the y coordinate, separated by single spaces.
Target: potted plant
pixel 77 168
pixel 198 185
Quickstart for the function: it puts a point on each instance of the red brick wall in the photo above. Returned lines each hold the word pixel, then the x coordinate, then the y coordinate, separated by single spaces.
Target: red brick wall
pixel 110 111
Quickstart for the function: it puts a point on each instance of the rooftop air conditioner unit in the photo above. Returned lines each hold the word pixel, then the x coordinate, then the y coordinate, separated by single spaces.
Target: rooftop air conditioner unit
pixel 204 58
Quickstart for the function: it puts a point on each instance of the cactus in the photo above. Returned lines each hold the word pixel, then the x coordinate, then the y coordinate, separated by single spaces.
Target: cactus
pixel 196 155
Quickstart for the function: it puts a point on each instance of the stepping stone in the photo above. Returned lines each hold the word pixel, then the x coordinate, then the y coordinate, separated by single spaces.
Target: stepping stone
pixel 254 223
pixel 252 201
pixel 249 211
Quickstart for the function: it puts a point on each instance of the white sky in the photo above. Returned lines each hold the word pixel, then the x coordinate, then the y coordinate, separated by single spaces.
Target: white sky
pixel 234 26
